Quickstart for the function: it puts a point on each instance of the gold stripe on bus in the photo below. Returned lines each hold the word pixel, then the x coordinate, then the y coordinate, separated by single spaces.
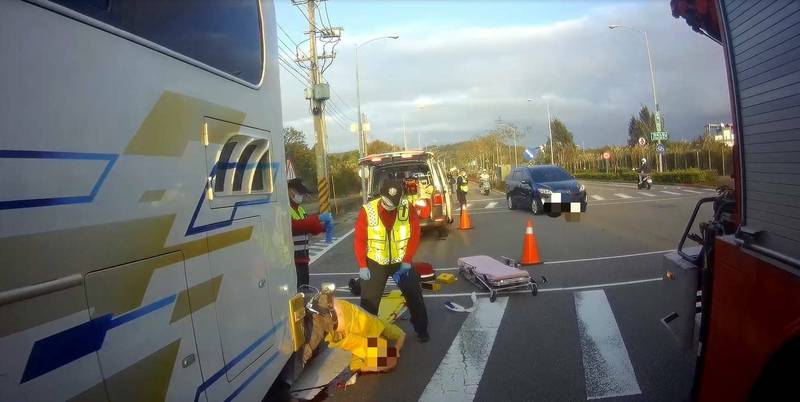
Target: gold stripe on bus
pixel 197 297
pixel 146 380
pixel 174 120
pixel 64 252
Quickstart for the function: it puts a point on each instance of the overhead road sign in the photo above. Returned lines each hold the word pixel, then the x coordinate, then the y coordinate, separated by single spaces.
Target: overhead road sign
pixel 659 136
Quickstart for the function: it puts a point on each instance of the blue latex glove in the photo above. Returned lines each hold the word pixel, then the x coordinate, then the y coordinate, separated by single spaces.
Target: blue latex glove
pixel 363 273
pixel 326 217
pixel 405 268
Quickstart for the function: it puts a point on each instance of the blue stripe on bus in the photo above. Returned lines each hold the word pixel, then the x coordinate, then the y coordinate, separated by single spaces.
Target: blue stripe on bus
pixel 251 378
pixel 45 202
pixel 216 376
pixel 71 344
pixel 192 229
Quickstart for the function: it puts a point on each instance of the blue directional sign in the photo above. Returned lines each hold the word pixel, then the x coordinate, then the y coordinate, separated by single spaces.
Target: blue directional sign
pixel 660 148
pixel 529 153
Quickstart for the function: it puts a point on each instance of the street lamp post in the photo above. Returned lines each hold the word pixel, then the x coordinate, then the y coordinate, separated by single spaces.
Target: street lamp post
pixel 652 78
pixel 362 141
pixel 549 128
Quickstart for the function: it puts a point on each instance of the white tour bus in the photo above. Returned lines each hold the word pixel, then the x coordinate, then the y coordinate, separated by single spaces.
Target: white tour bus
pixel 145 249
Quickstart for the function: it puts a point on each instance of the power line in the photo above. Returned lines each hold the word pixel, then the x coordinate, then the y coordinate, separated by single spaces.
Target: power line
pixel 344 102
pixel 335 113
pixel 295 67
pixel 292 73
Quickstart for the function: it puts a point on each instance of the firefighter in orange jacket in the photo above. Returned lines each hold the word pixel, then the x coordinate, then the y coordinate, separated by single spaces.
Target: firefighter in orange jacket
pixel 386 237
pixel 303 227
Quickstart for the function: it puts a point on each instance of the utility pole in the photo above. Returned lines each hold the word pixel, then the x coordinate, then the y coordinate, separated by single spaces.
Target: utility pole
pixel 316 110
pixel 317 94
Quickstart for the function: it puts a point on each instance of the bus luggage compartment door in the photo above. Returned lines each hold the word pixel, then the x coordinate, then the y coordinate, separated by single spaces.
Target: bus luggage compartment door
pixel 243 310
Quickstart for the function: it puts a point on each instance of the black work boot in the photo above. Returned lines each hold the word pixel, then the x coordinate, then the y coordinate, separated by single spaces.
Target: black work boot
pixel 423 337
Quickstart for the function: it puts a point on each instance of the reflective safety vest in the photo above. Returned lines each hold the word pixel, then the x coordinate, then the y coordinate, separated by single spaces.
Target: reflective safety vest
pixel 382 247
pixel 465 186
pixel 300 241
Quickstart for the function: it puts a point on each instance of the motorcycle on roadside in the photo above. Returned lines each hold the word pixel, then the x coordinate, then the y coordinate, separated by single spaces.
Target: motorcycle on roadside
pixel 484 186
pixel 645 180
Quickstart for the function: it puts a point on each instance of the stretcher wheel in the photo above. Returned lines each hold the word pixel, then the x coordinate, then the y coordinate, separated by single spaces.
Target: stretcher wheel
pixel 534 289
pixel 492 297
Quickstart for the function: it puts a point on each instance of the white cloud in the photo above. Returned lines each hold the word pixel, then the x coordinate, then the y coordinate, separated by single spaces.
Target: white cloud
pixel 595 79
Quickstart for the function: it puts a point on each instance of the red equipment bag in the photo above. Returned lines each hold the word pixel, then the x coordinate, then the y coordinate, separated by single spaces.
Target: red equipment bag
pixel 424 270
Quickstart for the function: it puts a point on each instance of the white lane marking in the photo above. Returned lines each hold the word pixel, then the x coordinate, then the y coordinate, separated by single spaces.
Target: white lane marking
pixel 609 257
pixel 607 367
pixel 491 204
pixel 569 288
pixel 646 194
pixel 692 191
pixel 670 192
pixel 460 372
pixel 598 198
pixel 626 185
pixel 620 195
pixel 329 246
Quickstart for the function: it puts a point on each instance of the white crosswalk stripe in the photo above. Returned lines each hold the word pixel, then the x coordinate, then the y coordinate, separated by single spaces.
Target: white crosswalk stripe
pixel 670 192
pixel 692 191
pixel 620 195
pixel 646 194
pixel 598 198
pixel 491 204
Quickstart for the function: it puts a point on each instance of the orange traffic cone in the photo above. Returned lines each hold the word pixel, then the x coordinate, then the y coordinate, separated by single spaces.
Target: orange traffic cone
pixel 530 251
pixel 466 224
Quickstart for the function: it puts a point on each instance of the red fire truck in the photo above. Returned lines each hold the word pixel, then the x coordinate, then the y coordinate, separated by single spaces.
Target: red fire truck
pixel 741 281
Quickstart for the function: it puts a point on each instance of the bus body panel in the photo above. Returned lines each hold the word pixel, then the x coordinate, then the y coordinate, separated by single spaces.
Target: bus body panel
pixel 112 254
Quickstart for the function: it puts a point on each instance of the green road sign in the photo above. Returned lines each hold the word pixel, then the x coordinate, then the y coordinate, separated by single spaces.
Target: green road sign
pixel 659 136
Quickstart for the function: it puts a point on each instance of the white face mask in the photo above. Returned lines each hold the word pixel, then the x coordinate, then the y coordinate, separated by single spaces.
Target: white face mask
pixel 387 204
pixel 297 198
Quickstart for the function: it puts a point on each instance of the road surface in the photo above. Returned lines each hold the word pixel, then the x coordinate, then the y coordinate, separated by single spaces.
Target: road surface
pixel 593 332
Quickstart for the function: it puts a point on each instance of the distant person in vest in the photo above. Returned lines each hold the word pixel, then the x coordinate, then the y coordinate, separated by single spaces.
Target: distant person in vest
pixel 303 227
pixel 386 238
pixel 462 186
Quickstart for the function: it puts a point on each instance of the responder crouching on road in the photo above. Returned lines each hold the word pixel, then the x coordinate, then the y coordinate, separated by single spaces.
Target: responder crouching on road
pixel 387 235
pixel 463 188
pixel 303 227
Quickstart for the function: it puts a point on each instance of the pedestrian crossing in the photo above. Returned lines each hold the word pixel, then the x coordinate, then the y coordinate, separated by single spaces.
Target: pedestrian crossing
pixel 319 246
pixel 607 194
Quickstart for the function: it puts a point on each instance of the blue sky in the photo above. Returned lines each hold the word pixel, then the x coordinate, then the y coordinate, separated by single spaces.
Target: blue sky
pixel 470 62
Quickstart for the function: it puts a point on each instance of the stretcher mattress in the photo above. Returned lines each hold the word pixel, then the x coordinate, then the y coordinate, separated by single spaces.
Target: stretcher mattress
pixel 492 269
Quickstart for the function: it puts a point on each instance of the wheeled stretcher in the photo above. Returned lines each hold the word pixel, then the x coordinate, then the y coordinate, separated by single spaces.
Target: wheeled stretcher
pixel 496 276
